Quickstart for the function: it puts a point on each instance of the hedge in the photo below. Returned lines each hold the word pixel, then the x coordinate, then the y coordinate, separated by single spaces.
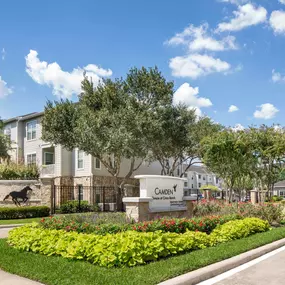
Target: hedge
pixel 128 248
pixel 7 213
pixel 73 207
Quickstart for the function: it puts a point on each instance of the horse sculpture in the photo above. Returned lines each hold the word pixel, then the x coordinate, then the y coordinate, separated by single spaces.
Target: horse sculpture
pixel 22 194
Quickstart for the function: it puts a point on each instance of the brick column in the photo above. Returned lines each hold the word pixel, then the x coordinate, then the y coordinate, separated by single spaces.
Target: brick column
pixel 137 208
pixel 253 197
pixel 189 205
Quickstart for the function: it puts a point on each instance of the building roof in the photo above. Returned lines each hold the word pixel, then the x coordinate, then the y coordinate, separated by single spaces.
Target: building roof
pixel 199 169
pixel 280 184
pixel 24 117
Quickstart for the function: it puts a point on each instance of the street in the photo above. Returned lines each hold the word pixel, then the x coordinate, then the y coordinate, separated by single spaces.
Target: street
pixel 4 232
pixel 266 270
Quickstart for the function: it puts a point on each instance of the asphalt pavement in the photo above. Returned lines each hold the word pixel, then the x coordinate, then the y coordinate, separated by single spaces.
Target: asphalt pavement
pixel 270 271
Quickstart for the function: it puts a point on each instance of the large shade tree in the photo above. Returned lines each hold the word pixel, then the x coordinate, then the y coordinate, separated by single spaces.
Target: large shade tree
pixel 113 121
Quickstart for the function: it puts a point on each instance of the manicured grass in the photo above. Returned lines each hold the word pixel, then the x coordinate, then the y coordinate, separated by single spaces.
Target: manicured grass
pixel 59 271
pixel 19 221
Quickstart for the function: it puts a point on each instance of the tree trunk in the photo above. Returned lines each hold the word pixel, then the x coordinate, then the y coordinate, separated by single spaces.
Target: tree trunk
pixel 119 195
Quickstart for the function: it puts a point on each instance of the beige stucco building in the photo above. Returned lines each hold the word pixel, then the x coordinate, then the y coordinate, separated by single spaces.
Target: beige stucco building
pixel 54 161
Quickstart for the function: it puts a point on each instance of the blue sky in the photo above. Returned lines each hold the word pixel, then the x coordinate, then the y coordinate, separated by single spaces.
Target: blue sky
pixel 218 52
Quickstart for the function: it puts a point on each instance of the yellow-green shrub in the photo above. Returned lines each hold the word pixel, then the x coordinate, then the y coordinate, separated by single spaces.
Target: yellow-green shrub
pixel 128 248
pixel 239 229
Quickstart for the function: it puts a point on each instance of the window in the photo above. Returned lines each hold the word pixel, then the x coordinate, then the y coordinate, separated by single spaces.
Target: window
pixel 48 158
pixel 80 159
pixel 97 163
pixel 204 178
pixel 178 172
pixel 185 174
pixel 31 159
pixel 282 193
pixel 185 184
pixel 80 192
pixel 199 176
pixel 31 130
pixel 199 185
pixel 192 177
pixel 192 186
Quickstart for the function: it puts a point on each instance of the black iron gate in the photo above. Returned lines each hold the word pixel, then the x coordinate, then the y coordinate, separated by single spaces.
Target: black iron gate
pixel 104 197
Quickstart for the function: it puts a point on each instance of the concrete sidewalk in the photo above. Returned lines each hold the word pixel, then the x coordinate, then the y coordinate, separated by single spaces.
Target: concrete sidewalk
pixel 11 279
pixel 4 232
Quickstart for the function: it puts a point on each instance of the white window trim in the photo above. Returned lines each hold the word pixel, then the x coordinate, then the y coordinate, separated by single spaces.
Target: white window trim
pixel 30 153
pixel 45 157
pixel 95 164
pixel 34 121
pixel 82 168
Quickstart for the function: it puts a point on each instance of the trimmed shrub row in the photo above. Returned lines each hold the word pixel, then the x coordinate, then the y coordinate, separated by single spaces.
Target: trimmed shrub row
pixel 73 207
pixel 128 248
pixel 7 213
pixel 205 224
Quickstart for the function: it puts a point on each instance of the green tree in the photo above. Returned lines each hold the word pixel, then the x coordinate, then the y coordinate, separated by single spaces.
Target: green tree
pixel 269 149
pixel 202 128
pixel 5 144
pixel 227 153
pixel 170 139
pixel 114 121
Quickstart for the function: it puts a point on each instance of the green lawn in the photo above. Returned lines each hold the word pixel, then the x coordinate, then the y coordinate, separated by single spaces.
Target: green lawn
pixel 19 221
pixel 59 271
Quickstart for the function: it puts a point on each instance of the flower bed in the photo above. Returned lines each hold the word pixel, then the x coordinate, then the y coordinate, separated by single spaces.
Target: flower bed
pixel 128 248
pixel 204 224
pixel 270 212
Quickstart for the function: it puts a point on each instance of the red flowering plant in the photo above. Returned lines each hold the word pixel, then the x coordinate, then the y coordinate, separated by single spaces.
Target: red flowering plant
pixel 204 224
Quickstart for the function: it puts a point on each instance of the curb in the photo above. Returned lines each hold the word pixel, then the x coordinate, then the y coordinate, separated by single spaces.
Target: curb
pixel 218 268
pixel 10 226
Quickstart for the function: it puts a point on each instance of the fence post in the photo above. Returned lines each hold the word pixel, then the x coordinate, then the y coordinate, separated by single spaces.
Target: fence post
pixel 79 198
pixel 103 189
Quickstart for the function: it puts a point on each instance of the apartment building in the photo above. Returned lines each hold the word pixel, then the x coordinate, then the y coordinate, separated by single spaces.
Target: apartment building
pixel 198 176
pixel 54 161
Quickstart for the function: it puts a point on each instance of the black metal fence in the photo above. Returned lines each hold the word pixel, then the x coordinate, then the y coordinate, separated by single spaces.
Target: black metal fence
pixel 103 196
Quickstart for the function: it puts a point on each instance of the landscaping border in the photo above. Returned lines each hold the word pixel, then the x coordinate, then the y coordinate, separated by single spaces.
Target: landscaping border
pixel 218 268
pixel 54 270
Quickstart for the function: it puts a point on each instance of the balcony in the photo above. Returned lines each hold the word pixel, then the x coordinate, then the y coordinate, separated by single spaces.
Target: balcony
pixel 47 170
pixel 48 162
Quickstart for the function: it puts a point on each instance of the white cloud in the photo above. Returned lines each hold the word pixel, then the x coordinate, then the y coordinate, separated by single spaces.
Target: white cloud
pixel 276 76
pixel 189 96
pixel 236 2
pixel 246 16
pixel 198 38
pixel 4 89
pixel 3 53
pixel 277 21
pixel 64 84
pixel 238 127
pixel 196 65
pixel 233 108
pixel 282 1
pixel 267 111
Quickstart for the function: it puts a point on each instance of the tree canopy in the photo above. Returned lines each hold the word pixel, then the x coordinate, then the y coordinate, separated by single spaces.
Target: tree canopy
pixel 253 158
pixel 116 120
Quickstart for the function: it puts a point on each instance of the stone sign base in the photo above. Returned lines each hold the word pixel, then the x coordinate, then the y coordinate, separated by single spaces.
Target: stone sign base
pixel 137 209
